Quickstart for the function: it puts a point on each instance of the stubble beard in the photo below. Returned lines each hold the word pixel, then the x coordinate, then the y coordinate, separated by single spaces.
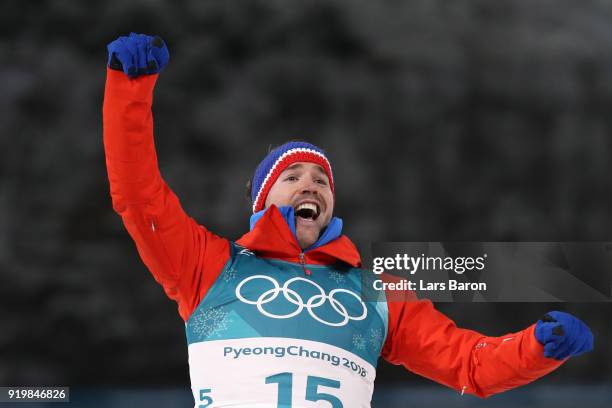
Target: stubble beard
pixel 306 236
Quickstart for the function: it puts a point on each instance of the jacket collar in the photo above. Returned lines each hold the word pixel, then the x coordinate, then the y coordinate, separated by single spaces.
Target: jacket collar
pixel 271 237
pixel 331 232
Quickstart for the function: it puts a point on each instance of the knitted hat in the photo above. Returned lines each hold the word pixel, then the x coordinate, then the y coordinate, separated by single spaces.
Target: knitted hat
pixel 277 161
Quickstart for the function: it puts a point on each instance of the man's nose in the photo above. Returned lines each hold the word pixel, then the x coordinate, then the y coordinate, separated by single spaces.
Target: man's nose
pixel 309 185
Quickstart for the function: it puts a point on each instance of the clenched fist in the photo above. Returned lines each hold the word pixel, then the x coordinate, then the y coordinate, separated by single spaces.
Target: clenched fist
pixel 563 335
pixel 138 54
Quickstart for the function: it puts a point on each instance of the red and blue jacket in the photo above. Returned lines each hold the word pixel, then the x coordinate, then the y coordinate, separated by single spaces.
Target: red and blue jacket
pixel 254 317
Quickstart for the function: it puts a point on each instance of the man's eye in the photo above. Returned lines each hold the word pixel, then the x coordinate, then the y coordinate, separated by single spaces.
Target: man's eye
pixel 321 181
pixel 291 178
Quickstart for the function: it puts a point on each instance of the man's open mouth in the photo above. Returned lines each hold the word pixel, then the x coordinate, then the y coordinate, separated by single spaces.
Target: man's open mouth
pixel 308 211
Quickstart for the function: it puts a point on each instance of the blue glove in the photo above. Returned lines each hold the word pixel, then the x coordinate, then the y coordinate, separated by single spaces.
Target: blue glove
pixel 563 335
pixel 138 54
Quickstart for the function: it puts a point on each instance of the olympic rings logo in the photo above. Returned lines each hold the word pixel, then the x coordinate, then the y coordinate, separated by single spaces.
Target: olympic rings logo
pixel 293 297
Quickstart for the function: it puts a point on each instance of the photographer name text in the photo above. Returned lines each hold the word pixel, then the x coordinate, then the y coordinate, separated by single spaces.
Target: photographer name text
pixel 450 285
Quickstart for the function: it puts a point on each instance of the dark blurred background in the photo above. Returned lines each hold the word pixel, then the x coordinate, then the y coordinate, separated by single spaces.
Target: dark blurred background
pixel 445 121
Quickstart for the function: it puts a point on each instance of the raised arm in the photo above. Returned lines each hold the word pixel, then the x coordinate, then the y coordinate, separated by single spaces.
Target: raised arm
pixel 430 344
pixel 184 257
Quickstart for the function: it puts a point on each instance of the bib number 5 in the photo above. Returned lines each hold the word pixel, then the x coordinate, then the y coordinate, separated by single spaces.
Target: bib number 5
pixel 205 400
pixel 285 386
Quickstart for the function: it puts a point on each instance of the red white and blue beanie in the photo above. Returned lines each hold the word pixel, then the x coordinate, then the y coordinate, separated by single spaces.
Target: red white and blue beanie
pixel 277 161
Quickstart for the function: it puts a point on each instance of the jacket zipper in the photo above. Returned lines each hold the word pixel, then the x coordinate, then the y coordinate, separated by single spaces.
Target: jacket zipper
pixel 303 263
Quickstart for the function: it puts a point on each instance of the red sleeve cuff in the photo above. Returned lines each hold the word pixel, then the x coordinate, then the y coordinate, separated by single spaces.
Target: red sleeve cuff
pixel 534 352
pixel 118 84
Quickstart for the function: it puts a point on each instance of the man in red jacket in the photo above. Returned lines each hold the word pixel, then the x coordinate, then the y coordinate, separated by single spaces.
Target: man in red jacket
pixel 275 318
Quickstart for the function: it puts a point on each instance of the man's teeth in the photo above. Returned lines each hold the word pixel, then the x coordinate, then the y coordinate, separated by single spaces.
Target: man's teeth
pixel 307 210
pixel 308 206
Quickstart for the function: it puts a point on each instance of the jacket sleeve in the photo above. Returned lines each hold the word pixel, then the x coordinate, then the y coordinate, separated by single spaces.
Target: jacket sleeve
pixel 184 257
pixel 430 344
